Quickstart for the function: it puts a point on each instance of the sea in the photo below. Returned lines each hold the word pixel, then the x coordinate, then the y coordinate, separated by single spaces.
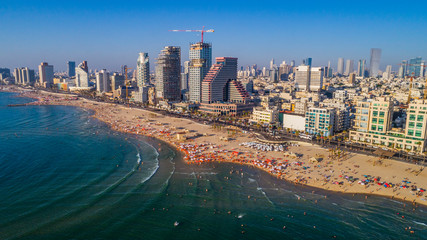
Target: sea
pixel 66 175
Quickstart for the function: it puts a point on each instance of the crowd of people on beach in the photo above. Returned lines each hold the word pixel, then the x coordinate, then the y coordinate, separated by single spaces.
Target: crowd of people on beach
pixel 289 166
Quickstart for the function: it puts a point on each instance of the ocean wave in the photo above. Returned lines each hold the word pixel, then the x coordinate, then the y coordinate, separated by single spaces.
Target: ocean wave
pixel 420 223
pixel 265 195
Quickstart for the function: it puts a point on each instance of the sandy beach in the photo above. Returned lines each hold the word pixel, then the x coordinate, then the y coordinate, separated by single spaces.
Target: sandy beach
pixel 298 162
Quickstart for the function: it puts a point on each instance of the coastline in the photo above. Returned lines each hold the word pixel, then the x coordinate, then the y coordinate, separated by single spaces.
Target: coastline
pixel 205 145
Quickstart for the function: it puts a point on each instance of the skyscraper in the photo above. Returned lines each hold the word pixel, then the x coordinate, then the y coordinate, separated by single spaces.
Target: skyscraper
pixel 143 70
pixel 117 81
pixel 168 74
pixel 4 72
pixel 220 84
pixel 387 72
pixel 46 74
pixel 103 81
pixel 340 68
pixel 200 62
pixel 403 69
pixel 414 67
pixel 307 61
pixel 214 84
pixel 271 63
pixel 82 75
pixel 302 77
pixel 374 65
pixel 349 67
pixel 316 78
pixel 361 66
pixel 71 68
pixel 24 76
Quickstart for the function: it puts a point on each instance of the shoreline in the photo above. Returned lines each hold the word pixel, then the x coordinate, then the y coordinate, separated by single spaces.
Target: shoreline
pixel 204 148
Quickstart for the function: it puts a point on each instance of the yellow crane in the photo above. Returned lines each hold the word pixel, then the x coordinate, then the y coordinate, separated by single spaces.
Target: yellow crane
pixel 127 83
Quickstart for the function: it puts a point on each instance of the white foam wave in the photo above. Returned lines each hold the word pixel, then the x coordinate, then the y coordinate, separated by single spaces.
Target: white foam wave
pixel 156 167
pixel 251 180
pixel 265 195
pixel 420 223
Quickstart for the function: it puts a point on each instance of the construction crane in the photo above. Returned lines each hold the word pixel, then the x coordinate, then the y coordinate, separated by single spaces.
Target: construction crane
pixel 127 83
pixel 202 31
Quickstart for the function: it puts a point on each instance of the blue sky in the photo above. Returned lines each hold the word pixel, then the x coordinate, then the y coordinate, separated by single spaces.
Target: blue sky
pixel 109 34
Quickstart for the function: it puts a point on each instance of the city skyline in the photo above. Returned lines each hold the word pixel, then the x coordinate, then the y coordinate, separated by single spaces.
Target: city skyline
pixel 248 35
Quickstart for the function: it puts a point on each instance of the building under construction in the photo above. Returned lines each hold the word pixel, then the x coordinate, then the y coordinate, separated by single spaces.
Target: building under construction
pixel 168 74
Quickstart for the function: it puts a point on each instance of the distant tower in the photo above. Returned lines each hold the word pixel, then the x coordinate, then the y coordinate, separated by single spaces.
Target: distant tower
pixel 340 68
pixel 307 61
pixel 271 63
pixel 374 65
pixel 168 74
pixel 361 66
pixel 200 62
pixel 71 68
pixel 143 70
pixel 414 67
pixel 349 67
pixel 387 73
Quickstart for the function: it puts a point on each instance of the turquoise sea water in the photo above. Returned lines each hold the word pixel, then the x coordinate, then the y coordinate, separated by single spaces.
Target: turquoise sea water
pixel 64 175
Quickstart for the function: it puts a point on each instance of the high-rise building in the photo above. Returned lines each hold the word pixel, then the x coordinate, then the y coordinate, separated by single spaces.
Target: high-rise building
pixel 117 81
pixel 220 83
pixel 387 73
pixel 103 81
pixel 352 78
pixel 329 72
pixel 168 73
pixel 403 69
pixel 123 69
pixel 143 70
pixel 200 62
pixel 374 65
pixel 422 69
pixel 4 73
pixel 293 63
pixel 46 74
pixel 274 74
pixel 71 68
pixel 316 79
pixel 340 67
pixel 24 76
pixel 302 77
pixel 349 67
pixel 307 61
pixel 361 67
pixel 82 75
pixel 271 63
pixel 414 67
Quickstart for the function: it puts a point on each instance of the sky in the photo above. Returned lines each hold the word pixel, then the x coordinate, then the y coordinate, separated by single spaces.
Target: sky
pixel 109 34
